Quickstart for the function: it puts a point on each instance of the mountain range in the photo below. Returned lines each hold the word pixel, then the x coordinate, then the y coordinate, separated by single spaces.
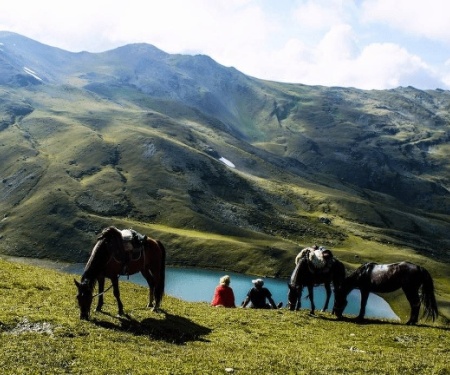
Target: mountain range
pixel 230 171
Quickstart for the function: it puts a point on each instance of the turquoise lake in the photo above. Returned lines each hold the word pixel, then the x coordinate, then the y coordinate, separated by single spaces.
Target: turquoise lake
pixel 197 285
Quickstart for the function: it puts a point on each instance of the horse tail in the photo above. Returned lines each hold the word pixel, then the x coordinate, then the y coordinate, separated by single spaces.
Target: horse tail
pixel 428 299
pixel 159 288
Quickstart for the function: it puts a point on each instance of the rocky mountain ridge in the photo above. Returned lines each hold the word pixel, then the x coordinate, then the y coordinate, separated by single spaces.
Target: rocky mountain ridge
pixel 183 142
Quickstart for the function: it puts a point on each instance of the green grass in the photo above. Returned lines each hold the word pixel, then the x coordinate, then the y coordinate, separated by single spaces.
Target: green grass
pixel 40 333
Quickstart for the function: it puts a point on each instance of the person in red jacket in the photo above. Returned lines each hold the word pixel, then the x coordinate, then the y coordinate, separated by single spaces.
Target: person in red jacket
pixel 223 294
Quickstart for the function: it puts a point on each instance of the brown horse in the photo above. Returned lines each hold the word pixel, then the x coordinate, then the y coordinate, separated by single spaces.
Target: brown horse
pixel 309 273
pixel 106 261
pixel 385 278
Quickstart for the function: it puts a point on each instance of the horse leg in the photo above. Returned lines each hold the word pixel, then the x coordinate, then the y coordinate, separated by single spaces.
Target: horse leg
pixel 414 301
pixel 151 289
pixel 299 299
pixel 101 288
pixel 327 299
pixel 364 298
pixel 311 298
pixel 115 283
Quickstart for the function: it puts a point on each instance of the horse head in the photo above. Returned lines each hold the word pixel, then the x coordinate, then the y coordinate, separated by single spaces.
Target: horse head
pixel 84 298
pixel 293 295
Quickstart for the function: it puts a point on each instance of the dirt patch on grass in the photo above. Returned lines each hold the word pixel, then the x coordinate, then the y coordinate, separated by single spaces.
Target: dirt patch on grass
pixel 25 326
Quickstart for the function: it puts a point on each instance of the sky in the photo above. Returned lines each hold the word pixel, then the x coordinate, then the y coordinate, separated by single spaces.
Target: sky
pixel 367 44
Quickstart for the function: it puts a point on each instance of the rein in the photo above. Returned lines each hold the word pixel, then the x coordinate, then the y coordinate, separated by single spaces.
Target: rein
pixel 100 294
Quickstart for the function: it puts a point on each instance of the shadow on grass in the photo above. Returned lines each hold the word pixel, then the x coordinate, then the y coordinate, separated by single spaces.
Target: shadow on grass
pixel 375 321
pixel 172 329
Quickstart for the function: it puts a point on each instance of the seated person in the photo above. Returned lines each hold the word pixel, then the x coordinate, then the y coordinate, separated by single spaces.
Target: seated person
pixel 258 296
pixel 223 294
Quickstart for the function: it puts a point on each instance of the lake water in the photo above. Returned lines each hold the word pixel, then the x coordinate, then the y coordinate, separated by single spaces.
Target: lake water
pixel 197 285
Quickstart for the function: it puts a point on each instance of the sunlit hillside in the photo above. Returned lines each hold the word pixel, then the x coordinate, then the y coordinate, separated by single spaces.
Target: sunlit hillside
pixel 229 171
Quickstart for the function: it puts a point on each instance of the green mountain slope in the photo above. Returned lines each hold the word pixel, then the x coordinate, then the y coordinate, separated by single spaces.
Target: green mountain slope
pixel 230 171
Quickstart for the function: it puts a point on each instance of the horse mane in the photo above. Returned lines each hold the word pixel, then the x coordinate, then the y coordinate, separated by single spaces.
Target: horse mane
pixel 301 261
pixel 110 235
pixel 361 270
pixel 366 267
pixel 93 255
pixel 108 231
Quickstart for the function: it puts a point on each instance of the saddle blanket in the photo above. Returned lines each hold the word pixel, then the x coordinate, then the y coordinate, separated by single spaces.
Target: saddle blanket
pixel 315 257
pixel 132 239
pixel 127 234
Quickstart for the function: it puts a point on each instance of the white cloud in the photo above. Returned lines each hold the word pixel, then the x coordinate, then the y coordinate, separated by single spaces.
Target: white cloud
pixel 427 19
pixel 327 42
pixel 337 44
pixel 70 25
pixel 336 61
pixel 386 65
pixel 446 73
pixel 319 15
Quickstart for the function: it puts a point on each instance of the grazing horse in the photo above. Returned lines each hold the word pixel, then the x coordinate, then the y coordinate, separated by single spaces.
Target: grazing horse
pixel 106 261
pixel 384 278
pixel 310 272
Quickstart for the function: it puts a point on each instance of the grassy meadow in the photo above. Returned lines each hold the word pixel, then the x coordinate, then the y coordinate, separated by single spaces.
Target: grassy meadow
pixel 40 333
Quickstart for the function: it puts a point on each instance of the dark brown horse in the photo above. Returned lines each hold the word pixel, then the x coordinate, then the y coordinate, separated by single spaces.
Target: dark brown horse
pixel 308 274
pixel 106 261
pixel 384 278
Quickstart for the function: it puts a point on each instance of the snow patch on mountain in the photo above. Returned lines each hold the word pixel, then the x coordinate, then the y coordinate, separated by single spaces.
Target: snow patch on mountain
pixel 227 162
pixel 31 73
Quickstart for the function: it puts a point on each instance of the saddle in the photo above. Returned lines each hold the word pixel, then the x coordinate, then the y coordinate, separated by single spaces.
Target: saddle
pixel 319 260
pixel 133 242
